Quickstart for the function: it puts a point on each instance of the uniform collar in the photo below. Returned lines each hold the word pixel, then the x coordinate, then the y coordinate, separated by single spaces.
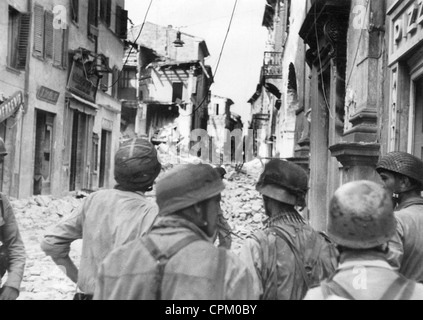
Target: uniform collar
pixel 410 202
pixel 170 224
pixel 372 259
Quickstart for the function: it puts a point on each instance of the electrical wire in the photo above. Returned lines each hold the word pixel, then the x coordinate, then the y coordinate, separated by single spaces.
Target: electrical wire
pixel 135 41
pixel 358 46
pixel 320 62
pixel 220 56
pixel 226 37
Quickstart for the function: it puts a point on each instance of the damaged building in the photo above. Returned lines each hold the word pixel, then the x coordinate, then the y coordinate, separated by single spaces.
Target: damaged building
pixel 171 91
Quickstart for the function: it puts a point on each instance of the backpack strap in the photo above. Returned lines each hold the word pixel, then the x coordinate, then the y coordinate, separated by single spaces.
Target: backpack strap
pixel 163 258
pixel 2 215
pixel 268 274
pixel 300 263
pixel 331 287
pixel 402 285
pixel 220 274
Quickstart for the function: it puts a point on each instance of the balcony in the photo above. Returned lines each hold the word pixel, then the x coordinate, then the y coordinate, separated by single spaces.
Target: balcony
pixel 272 66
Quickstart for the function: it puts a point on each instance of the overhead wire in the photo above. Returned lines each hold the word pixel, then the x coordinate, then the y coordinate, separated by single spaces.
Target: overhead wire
pixel 358 45
pixel 135 41
pixel 220 56
pixel 320 62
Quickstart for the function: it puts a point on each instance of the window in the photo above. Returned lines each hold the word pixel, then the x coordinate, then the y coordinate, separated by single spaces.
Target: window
pixel 18 39
pixel 75 10
pixel 128 79
pixel 49 43
pixel 178 88
pixel 106 11
pixel 104 82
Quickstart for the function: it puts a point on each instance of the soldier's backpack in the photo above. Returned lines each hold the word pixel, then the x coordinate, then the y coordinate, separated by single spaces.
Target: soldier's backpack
pixel 316 259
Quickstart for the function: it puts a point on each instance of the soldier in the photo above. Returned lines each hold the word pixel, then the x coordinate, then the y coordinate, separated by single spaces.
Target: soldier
pixel 402 174
pixel 12 250
pixel 288 256
pixel 177 260
pixel 361 222
pixel 108 218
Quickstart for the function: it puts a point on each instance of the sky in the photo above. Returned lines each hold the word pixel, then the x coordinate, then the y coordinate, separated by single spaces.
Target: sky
pixel 239 68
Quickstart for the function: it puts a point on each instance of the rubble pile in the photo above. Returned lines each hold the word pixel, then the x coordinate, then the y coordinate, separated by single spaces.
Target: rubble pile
pixel 43 280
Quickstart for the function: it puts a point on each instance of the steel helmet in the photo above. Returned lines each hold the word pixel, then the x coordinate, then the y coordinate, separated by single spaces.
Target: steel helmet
pixel 186 185
pixel 361 216
pixel 402 163
pixel 283 181
pixel 3 151
pixel 136 165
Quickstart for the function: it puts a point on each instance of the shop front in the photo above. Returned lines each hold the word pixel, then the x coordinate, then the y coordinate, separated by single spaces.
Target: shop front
pixel 11 111
pixel 405 112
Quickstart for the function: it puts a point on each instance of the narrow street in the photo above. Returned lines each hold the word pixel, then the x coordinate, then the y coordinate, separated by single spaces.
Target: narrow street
pixel 43 280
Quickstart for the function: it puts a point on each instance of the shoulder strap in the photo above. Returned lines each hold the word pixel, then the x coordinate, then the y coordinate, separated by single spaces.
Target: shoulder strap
pixel 2 215
pixel 332 287
pixel 268 274
pixel 220 274
pixel 281 233
pixel 402 285
pixel 163 258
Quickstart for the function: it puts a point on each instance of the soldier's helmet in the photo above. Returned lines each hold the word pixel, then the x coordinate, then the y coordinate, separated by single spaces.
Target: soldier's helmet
pixel 283 181
pixel 361 216
pixel 186 185
pixel 136 165
pixel 402 163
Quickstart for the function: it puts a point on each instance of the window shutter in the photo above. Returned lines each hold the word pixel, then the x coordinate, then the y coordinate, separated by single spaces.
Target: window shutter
pixel 103 10
pixel 109 13
pixel 123 24
pixel 39 30
pixel 118 24
pixel 58 45
pixel 115 82
pixel 23 40
pixel 65 55
pixel 104 84
pixel 75 10
pixel 49 17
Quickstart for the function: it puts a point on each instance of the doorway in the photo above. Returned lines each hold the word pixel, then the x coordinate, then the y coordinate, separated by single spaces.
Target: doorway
pixel 104 157
pixel 43 152
pixel 78 151
pixel 418 122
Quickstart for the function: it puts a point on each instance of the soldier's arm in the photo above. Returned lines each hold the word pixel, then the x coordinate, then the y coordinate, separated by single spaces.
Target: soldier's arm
pixel 15 246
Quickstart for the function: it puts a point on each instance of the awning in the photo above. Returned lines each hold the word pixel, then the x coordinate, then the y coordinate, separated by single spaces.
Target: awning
pixel 83 106
pixel 10 106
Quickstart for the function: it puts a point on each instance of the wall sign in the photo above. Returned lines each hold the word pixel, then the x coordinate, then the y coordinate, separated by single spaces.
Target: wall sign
pixel 81 83
pixel 406 23
pixel 48 95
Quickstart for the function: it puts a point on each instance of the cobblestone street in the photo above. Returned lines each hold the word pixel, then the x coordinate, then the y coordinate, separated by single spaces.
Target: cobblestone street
pixel 43 280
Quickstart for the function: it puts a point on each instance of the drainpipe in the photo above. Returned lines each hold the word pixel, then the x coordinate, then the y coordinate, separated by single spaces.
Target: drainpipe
pixel 26 96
